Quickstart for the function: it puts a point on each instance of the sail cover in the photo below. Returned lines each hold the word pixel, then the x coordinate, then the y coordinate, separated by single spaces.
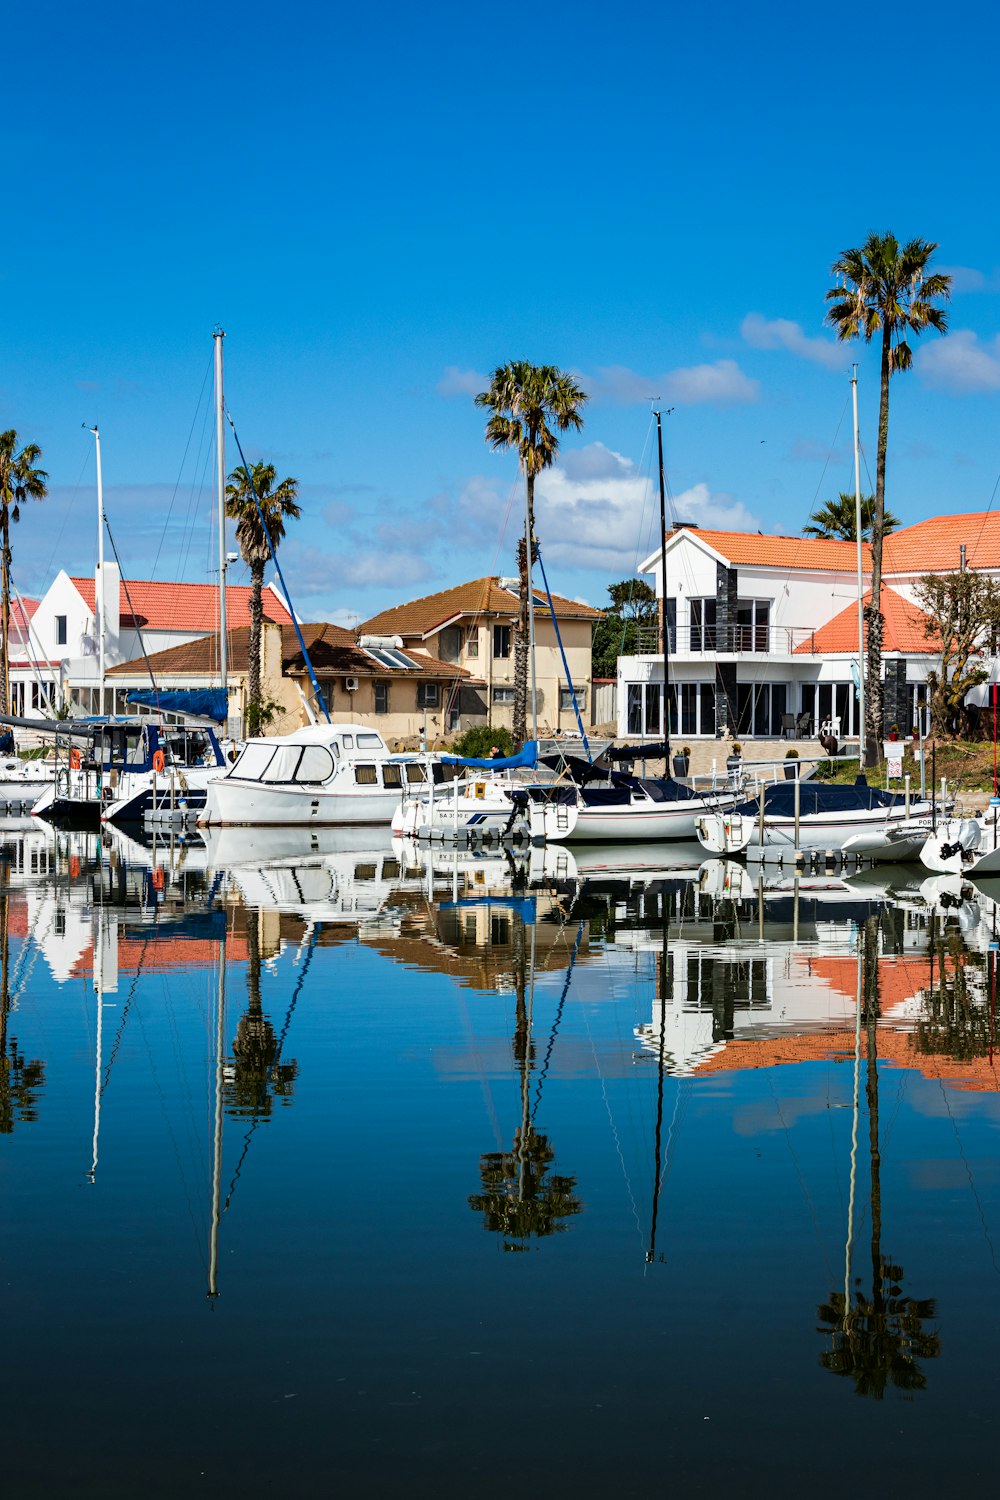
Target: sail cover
pixel 526 756
pixel 201 703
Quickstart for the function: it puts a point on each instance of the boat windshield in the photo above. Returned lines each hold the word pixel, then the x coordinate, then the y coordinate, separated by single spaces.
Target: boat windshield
pixel 310 764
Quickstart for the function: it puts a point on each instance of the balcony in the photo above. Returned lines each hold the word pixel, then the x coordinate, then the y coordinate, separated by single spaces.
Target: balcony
pixel 731 640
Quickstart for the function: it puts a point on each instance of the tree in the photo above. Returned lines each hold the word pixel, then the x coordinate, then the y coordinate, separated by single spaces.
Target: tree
pixel 526 401
pixel 836 519
pixel 257 1075
pixel 633 603
pixel 277 501
pixel 963 618
pixel 20 480
pixel 885 287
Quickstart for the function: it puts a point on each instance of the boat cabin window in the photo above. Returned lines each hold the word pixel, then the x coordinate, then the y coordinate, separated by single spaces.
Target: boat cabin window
pixel 316 764
pixel 392 775
pixel 348 742
pixel 369 742
pixel 253 762
pixel 121 746
pixel 366 775
pixel 414 771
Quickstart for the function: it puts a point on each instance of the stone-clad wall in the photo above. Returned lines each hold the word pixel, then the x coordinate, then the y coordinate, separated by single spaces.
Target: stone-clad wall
pixel 896 697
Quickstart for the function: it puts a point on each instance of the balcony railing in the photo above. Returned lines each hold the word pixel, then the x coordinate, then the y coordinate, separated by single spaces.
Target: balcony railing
pixel 730 640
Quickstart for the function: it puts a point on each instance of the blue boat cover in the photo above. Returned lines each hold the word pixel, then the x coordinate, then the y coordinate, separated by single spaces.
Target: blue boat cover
pixel 202 703
pixel 527 756
pixel 818 797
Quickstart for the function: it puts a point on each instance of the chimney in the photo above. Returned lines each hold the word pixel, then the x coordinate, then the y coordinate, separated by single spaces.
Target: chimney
pixel 961 558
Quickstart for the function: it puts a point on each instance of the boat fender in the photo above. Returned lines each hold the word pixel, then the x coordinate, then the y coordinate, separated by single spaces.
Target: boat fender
pixel 159 760
pixel 158 876
pixel 74 758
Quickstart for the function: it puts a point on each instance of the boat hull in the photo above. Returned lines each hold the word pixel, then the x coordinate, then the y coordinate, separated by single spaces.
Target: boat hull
pixel 234 803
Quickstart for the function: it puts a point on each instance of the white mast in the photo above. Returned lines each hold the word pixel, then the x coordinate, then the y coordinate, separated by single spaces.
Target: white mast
pixel 220 489
pixel 99 610
pixel 863 736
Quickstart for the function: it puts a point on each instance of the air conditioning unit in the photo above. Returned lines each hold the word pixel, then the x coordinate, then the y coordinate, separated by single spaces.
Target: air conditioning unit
pixel 351 684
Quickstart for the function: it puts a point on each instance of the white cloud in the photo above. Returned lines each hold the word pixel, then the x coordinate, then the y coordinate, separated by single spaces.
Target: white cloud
pixel 597 510
pixel 721 383
pixel 969 279
pixel 781 333
pixel 457 382
pixel 960 363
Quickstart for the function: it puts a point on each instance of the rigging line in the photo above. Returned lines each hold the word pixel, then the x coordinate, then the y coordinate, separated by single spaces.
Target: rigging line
pixel 543 1070
pixel 986 514
pixel 829 456
pixel 310 950
pixel 196 502
pixel 968 1171
pixel 135 617
pixel 281 578
pixel 65 516
pixel 177 484
pixel 124 1017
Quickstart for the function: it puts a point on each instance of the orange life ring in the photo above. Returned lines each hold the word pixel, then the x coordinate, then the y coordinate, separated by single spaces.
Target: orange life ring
pixel 158 874
pixel 159 760
pixel 75 758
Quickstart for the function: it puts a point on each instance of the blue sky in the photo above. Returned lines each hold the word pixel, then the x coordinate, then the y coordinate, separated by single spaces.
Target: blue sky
pixel 381 206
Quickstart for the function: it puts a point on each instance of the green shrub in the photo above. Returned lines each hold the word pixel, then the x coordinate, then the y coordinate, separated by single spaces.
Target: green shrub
pixel 476 743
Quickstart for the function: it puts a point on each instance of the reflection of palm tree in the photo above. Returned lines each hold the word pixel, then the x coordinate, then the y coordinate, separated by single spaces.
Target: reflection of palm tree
pixel 880 1338
pixel 20 1081
pixel 519 1199
pixel 257 1077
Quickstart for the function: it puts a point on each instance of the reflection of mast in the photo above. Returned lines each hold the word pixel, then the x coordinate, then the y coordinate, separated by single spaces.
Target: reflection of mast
pixel 105 978
pixel 664 970
pixel 854 1138
pixel 220 1049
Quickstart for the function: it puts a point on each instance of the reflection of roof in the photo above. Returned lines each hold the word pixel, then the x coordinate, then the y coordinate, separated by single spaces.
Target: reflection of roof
pixel 159 955
pixel 184 606
pixel 330 648
pixel 483 596
pixel 904 629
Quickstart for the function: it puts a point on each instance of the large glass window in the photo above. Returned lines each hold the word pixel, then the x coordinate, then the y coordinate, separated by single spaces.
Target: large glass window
pixel 753 617
pixel 703 632
pixel 760 707
pixel 501 640
pixel 654 700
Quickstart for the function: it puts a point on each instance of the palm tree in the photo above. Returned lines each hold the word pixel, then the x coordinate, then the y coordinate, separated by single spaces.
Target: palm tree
pixel 836 520
pixel 257 1075
pixel 884 286
pixel 19 481
pixel 526 401
pixel 277 501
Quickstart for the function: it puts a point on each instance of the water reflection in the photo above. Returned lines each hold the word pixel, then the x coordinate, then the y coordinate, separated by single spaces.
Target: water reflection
pixel 877 1336
pixel 702 1097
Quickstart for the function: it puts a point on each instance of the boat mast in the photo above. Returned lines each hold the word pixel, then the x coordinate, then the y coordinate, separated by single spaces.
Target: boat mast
pixel 99 611
pixel 663 572
pixel 220 495
pixel 863 735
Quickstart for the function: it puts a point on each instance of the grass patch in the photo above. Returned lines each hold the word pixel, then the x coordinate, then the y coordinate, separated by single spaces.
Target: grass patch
pixel 967 764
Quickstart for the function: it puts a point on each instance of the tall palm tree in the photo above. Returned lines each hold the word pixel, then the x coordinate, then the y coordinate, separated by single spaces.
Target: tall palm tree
pixel 884 287
pixel 277 501
pixel 20 480
pixel 836 520
pixel 526 402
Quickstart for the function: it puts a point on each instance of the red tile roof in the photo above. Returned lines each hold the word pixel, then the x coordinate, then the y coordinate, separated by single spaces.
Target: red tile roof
pixel 753 550
pixel 936 544
pixel 904 630
pixel 185 606
pixel 483 596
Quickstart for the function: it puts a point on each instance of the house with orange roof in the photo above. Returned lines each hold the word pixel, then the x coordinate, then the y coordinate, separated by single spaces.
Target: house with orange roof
pixel 471 626
pixel 762 631
pixel 54 656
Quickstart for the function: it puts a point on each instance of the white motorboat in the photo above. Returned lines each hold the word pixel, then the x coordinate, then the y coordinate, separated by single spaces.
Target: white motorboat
pixel 323 773
pixel 965 846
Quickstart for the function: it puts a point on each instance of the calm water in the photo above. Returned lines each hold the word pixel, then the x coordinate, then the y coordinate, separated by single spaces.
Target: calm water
pixel 320 1165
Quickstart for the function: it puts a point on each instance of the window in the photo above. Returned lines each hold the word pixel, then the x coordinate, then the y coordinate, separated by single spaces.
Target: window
pixel 414 771
pixel 366 775
pixel 501 640
pixel 428 695
pixel 753 617
pixel 392 775
pixel 703 636
pixel 472 643
pixel 503 695
pixel 760 707
pixel 451 643
pixel 60 630
pixel 365 872
pixel 381 697
pixel 566 699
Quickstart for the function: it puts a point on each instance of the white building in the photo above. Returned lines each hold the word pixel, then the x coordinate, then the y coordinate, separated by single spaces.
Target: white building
pixel 763 630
